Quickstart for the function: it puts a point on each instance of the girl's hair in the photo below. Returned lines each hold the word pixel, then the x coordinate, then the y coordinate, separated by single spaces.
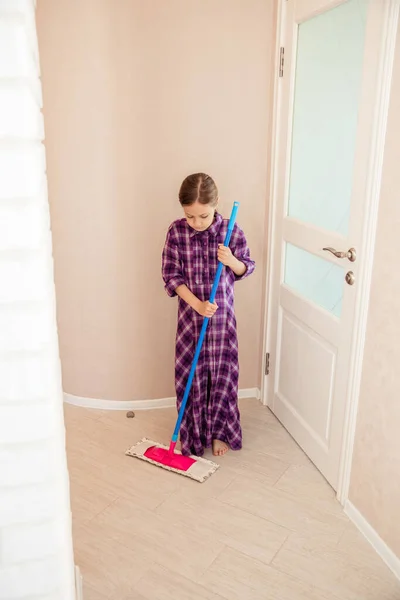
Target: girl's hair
pixel 198 187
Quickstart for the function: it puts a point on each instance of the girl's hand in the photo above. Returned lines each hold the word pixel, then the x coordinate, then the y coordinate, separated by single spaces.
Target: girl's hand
pixel 225 255
pixel 206 309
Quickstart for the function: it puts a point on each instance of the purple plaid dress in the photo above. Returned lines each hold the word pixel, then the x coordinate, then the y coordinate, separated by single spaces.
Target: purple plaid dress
pixel 190 257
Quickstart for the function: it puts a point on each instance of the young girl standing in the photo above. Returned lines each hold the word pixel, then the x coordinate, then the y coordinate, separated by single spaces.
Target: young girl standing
pixel 193 247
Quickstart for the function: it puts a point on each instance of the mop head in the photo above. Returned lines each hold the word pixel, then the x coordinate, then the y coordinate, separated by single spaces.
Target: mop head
pixel 195 467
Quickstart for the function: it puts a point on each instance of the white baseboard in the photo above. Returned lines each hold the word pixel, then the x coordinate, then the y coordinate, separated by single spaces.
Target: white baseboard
pixel 249 393
pixel 101 404
pixel 386 554
pixel 78 584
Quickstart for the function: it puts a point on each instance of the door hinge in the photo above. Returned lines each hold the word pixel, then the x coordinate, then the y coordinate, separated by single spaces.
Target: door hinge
pixel 281 60
pixel 267 363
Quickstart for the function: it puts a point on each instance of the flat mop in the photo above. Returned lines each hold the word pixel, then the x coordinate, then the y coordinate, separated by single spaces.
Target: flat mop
pixel 195 467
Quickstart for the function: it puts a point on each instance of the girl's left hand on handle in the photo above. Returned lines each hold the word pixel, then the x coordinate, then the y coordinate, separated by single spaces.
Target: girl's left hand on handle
pixel 225 255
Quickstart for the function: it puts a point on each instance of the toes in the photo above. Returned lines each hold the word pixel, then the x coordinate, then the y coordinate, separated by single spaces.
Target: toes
pixel 220 448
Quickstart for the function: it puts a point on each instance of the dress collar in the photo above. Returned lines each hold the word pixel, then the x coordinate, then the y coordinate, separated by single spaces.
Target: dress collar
pixel 212 230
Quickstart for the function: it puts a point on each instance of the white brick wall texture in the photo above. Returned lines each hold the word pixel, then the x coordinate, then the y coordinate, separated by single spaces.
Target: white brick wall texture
pixel 36 558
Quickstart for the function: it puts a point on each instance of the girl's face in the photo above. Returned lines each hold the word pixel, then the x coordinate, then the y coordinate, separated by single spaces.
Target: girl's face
pixel 200 216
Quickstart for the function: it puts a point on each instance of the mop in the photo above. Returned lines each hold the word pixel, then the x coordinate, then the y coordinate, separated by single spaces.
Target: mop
pixel 195 467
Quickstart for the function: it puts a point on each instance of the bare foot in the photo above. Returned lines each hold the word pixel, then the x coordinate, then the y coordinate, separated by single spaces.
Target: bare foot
pixel 219 448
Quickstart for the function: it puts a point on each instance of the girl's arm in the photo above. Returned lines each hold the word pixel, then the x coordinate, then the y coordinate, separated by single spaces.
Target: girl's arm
pixel 237 256
pixel 205 309
pixel 188 296
pixel 171 267
pixel 229 260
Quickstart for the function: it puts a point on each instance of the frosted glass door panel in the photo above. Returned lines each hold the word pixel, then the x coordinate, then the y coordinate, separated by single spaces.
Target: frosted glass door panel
pixel 315 278
pixel 330 51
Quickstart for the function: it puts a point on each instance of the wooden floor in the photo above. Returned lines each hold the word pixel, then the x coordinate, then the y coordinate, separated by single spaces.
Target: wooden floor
pixel 265 526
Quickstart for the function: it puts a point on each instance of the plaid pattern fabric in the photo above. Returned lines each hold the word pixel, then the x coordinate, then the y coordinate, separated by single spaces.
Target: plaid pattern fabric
pixel 190 257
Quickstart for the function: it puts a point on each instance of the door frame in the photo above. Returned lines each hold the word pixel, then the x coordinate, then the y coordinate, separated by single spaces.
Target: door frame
pixel 390 24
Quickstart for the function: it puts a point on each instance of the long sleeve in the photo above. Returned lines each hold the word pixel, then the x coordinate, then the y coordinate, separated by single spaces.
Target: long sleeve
pixel 172 272
pixel 241 251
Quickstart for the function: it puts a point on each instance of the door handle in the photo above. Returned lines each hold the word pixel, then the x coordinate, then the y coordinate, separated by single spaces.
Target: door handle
pixel 351 254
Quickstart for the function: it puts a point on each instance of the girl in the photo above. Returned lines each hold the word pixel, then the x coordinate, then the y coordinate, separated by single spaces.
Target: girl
pixel 189 261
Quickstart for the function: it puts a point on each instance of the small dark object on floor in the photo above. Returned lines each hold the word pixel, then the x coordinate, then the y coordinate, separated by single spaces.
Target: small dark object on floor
pixel 130 414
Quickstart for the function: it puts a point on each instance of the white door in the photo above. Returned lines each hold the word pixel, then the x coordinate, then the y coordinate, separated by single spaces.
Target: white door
pixel 325 137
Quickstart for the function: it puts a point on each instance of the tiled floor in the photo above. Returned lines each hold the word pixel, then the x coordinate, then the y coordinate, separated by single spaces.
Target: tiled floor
pixel 265 526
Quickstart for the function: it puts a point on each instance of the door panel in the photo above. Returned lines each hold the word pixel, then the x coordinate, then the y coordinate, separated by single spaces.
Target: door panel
pixel 316 279
pixel 329 61
pixel 306 369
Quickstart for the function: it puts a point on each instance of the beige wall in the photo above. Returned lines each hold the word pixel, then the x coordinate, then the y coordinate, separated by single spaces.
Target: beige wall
pixel 375 482
pixel 137 95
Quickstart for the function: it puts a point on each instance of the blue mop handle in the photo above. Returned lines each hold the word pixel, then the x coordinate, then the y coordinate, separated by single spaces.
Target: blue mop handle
pixel 204 326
